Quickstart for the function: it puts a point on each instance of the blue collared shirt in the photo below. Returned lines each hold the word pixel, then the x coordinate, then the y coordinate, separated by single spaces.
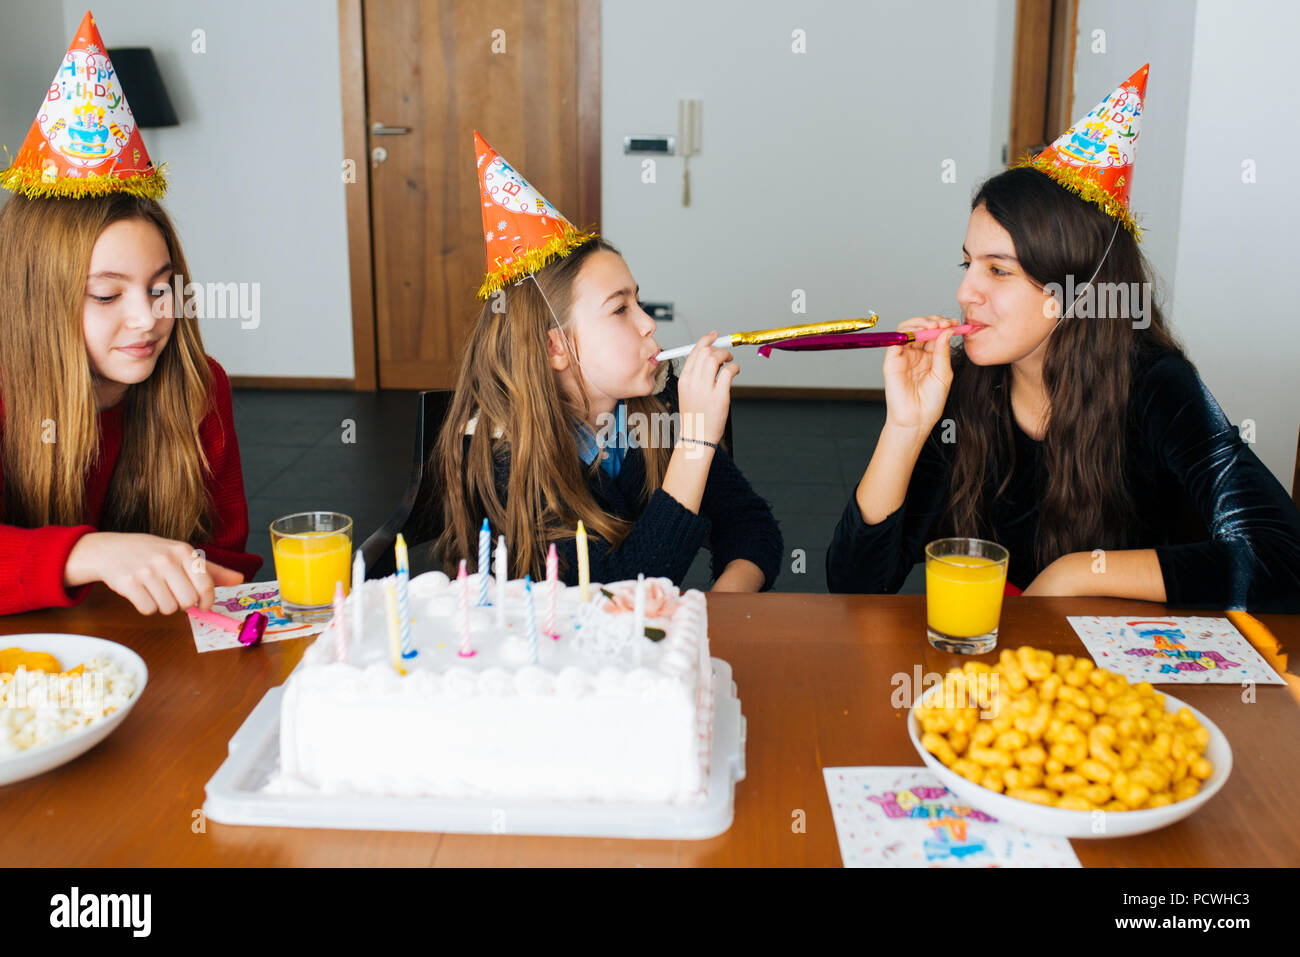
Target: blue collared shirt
pixel 611 448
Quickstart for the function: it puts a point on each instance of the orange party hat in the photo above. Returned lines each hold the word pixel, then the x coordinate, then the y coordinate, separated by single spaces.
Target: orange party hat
pixel 84 140
pixel 523 232
pixel 1094 158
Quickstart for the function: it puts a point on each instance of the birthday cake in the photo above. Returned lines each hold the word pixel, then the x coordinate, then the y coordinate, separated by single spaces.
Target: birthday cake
pixel 590 711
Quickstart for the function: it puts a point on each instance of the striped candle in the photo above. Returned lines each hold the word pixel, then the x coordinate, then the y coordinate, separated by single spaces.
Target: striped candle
pixel 530 619
pixel 358 586
pixel 403 596
pixel 553 590
pixel 462 577
pixel 484 561
pixel 501 582
pixel 584 572
pixel 394 629
pixel 340 623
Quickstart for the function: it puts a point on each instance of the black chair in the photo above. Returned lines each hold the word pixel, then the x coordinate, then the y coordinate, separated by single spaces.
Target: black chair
pixel 418 516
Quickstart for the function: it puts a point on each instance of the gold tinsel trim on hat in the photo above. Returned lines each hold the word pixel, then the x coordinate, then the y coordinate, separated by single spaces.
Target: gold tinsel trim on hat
pixel 527 263
pixel 1087 190
pixel 34 184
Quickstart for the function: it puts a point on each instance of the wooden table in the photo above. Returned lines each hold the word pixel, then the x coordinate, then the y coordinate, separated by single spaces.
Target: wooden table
pixel 814 674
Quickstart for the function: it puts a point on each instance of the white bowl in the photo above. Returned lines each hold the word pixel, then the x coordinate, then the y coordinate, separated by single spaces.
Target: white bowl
pixel 71 650
pixel 1064 823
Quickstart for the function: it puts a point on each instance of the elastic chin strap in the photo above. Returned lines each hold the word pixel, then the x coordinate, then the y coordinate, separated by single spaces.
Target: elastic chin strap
pixel 1069 313
pixel 567 345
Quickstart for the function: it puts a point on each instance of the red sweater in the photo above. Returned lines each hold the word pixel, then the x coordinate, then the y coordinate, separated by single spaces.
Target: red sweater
pixel 32 559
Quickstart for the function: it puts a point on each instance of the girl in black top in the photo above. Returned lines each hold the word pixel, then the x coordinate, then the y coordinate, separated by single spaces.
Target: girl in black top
pixel 1087 445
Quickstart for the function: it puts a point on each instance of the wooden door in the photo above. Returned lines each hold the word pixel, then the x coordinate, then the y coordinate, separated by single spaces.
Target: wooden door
pixel 526 76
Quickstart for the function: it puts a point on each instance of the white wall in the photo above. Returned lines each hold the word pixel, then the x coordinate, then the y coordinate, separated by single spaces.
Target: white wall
pixel 254 166
pixel 32 42
pixel 818 171
pixel 1158 32
pixel 1236 305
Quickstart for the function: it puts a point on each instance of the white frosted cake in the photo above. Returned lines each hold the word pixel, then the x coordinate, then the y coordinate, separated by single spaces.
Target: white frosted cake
pixel 603 715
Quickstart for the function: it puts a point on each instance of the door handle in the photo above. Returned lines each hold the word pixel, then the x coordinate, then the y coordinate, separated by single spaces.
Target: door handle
pixel 379 129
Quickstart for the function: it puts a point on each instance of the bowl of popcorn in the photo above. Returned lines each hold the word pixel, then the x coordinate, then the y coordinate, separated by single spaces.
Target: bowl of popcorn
pixel 1056 745
pixel 60 695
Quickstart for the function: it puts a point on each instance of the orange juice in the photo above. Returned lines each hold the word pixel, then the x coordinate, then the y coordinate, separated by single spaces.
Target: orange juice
pixel 963 594
pixel 309 564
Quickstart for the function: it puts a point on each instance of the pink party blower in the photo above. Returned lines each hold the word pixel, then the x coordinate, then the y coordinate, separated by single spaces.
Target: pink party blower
pixel 863 340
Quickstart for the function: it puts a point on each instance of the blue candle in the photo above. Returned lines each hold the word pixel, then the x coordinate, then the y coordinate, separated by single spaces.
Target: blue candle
pixel 530 620
pixel 484 560
pixel 403 598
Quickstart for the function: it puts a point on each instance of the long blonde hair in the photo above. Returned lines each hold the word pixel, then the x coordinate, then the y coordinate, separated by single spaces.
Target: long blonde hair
pixel 51 428
pixel 507 382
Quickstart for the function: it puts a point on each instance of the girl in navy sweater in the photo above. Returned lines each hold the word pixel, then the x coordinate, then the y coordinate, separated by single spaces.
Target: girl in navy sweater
pixel 555 420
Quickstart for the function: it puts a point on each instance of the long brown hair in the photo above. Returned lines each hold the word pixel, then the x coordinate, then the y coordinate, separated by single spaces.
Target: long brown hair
pixel 507 383
pixel 1088 367
pixel 51 428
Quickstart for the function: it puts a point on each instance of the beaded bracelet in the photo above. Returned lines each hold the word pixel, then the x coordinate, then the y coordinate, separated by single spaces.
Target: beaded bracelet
pixel 712 445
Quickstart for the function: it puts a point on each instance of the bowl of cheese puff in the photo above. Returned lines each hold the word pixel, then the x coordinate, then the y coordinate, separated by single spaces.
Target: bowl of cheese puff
pixel 1056 745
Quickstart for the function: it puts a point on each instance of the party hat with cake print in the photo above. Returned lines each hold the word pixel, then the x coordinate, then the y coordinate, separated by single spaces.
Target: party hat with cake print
pixel 1094 157
pixel 523 232
pixel 84 140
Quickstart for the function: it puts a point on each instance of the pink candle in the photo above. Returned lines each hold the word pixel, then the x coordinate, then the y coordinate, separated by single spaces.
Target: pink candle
pixel 553 588
pixel 462 579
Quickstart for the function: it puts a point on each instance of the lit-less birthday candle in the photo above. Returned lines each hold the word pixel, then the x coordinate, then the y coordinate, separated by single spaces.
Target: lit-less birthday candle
pixel 358 582
pixel 484 561
pixel 403 595
pixel 501 582
pixel 584 572
pixel 462 577
pixel 340 622
pixel 552 590
pixel 638 617
pixel 394 629
pixel 530 619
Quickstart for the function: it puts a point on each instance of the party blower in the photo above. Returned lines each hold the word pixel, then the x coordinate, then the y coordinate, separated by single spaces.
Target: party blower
pixel 862 340
pixel 760 337
pixel 820 336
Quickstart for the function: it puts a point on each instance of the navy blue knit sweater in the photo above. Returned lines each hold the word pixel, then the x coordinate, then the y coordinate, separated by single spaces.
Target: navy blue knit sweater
pixel 733 520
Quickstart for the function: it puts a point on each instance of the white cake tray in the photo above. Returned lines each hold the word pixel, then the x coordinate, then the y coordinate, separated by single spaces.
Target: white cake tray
pixel 235 793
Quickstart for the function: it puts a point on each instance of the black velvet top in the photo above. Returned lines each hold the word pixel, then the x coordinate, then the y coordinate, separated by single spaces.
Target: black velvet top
pixel 1225 532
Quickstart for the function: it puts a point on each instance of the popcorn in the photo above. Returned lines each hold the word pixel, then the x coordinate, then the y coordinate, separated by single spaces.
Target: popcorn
pixel 38 708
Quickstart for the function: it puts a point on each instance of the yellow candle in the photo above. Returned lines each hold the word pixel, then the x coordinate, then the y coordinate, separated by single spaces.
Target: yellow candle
pixel 394 629
pixel 584 572
pixel 308 565
pixel 963 594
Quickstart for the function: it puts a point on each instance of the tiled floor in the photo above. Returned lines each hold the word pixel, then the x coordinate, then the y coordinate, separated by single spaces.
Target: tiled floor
pixel 351 452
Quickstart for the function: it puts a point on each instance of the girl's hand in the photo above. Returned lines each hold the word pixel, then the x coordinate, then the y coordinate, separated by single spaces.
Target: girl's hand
pixel 704 390
pixel 154 574
pixel 918 376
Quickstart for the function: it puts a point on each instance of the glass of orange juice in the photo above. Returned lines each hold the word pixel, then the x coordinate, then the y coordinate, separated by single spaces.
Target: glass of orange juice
pixel 312 550
pixel 964 582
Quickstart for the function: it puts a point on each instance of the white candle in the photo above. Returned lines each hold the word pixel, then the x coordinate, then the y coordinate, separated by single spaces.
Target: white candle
pixel 530 620
pixel 358 586
pixel 340 623
pixel 462 577
pixel 502 576
pixel 638 617
pixel 484 556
